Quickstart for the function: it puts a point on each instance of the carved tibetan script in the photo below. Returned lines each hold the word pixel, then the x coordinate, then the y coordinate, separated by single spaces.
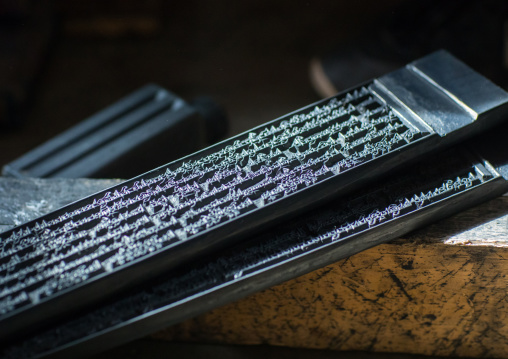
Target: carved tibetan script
pixel 186 198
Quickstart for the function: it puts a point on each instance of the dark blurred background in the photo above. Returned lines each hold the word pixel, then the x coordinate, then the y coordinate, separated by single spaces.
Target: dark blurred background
pixel 61 61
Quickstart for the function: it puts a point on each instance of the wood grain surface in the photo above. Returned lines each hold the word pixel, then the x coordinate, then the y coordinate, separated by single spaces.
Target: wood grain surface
pixel 439 291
